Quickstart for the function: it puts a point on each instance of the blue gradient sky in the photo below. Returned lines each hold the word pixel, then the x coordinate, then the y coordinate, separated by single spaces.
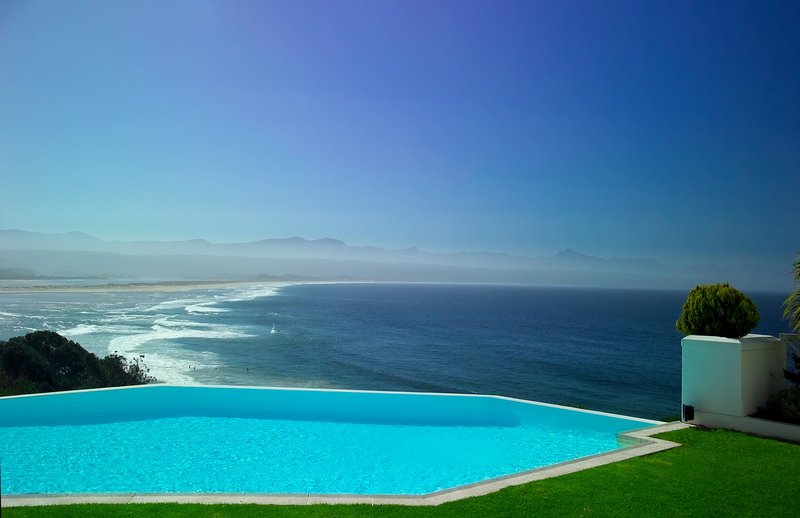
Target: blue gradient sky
pixel 668 130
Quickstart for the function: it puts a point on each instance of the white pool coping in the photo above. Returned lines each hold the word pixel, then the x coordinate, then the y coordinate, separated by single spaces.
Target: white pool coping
pixel 641 443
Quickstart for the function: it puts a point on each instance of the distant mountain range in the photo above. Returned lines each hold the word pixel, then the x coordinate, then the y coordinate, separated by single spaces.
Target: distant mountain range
pixel 76 254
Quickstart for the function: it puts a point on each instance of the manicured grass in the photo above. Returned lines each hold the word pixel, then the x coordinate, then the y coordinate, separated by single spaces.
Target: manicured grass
pixel 714 473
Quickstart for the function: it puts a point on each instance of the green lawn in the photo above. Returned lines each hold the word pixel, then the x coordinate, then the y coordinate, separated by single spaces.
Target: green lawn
pixel 714 473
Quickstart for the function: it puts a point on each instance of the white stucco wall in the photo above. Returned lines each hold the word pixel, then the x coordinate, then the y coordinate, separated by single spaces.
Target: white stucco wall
pixel 729 376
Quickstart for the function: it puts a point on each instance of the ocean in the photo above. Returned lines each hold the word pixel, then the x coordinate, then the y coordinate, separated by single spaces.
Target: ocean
pixel 602 349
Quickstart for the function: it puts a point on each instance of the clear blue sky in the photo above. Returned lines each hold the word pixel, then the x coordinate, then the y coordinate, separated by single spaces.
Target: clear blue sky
pixel 657 129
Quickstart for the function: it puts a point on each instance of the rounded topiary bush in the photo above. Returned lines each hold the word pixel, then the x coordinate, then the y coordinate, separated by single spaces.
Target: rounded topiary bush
pixel 717 310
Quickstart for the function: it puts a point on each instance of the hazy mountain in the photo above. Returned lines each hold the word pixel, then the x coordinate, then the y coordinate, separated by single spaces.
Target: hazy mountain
pixel 297 247
pixel 79 254
pixel 21 239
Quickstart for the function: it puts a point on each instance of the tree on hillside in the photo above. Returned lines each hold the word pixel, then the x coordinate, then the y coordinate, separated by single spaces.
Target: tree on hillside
pixel 44 361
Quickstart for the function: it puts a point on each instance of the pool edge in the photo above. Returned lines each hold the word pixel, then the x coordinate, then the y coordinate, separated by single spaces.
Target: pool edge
pixel 146 386
pixel 641 443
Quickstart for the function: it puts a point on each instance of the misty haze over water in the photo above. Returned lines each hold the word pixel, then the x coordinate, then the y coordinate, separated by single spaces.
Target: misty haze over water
pixel 28 255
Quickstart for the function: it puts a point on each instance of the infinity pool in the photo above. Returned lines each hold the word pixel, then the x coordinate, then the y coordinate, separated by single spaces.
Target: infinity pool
pixel 187 439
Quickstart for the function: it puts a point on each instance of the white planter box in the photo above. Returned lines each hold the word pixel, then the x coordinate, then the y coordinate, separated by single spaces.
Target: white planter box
pixel 731 377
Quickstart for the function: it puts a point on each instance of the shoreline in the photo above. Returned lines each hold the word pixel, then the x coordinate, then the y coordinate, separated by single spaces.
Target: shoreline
pixel 159 286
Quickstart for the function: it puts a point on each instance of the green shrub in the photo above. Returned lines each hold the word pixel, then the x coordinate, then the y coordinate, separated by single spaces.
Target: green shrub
pixel 19 362
pixel 44 361
pixel 121 372
pixel 717 310
pixel 791 307
pixel 785 405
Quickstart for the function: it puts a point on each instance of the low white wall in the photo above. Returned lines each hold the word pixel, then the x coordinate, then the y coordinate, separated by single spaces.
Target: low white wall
pixel 752 425
pixel 726 380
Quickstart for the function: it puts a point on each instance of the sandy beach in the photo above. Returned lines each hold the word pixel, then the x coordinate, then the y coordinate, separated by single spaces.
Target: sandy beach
pixel 161 286
pixel 157 286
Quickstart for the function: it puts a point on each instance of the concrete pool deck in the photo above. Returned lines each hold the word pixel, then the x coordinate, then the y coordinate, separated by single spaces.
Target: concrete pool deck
pixel 640 443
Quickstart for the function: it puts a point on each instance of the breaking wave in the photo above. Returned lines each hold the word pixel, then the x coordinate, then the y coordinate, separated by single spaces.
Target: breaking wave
pixel 171 363
pixel 204 307
pixel 253 292
pixel 129 324
pixel 174 304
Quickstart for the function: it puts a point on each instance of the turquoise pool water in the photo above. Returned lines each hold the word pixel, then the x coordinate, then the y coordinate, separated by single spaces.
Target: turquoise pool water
pixel 163 439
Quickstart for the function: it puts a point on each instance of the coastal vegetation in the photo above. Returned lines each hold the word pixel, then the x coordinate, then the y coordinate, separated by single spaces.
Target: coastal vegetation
pixel 791 307
pixel 717 310
pixel 713 473
pixel 44 361
pixel 785 405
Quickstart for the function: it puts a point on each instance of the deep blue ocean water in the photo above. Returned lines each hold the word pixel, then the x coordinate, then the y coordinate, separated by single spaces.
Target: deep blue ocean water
pixel 609 350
